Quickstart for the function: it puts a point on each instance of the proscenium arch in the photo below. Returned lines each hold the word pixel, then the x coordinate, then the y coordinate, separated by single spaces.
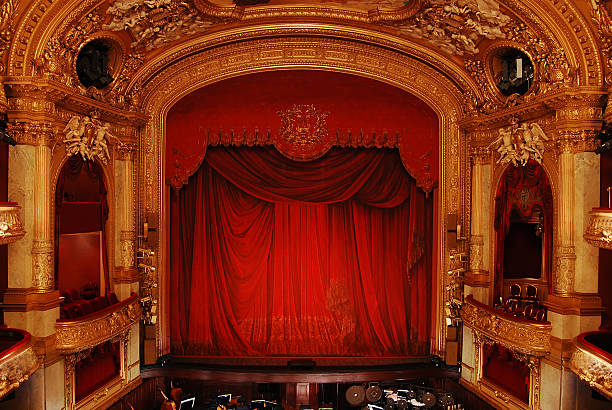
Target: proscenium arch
pixel 181 77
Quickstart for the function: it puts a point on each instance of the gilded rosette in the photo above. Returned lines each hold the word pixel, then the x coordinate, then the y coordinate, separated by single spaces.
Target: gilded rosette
pixel 520 335
pixel 91 330
pixel 11 228
pixel 593 368
pixel 17 365
pixel 599 230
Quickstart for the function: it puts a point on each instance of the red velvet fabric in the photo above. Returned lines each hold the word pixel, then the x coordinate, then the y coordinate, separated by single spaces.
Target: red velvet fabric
pixel 504 370
pixel 94 371
pixel 79 187
pixel 272 257
pixel 235 110
pixel 521 189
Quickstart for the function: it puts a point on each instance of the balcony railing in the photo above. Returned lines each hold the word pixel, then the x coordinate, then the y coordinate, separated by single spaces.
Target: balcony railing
pixel 599 231
pixel 74 335
pixel 592 360
pixel 17 359
pixel 518 334
pixel 11 228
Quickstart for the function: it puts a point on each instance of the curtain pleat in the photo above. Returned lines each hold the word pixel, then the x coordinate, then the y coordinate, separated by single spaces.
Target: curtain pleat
pixel 273 257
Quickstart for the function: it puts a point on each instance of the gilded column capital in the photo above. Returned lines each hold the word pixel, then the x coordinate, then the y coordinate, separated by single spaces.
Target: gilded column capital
pixel 480 155
pixel 32 133
pixel 126 151
pixel 576 140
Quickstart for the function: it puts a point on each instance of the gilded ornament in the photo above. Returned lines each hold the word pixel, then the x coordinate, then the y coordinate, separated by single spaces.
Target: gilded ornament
pixel 17 367
pixel 519 336
pixel 455 27
pixel 592 369
pixel 77 335
pixel 517 144
pixel 11 227
pixel 154 23
pixel 599 230
pixel 88 137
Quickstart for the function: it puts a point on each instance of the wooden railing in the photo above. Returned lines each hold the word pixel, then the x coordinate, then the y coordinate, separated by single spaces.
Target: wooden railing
pixel 74 335
pixel 18 361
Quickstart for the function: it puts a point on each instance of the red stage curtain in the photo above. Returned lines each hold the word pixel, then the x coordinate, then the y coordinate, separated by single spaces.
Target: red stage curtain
pixel 275 257
pixel 522 188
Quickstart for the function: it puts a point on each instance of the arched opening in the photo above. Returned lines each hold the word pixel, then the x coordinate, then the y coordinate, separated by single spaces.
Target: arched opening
pixel 81 212
pixel 303 214
pixel 523 233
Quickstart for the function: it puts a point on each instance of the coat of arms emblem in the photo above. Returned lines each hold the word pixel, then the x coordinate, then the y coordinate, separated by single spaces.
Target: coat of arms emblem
pixel 303 134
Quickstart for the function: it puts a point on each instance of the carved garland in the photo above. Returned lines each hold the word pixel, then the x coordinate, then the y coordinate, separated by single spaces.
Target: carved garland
pixel 16 369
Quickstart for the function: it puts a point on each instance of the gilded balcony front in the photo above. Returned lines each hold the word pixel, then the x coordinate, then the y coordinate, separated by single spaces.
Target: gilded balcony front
pixel 518 334
pixel 11 228
pixel 592 360
pixel 74 335
pixel 599 231
pixel 17 361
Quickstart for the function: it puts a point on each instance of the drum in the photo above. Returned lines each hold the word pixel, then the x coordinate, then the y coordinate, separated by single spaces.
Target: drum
pixel 356 396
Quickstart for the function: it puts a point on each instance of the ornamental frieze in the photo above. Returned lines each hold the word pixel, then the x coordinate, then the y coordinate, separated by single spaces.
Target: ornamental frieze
pixel 17 366
pixel 525 337
pixel 592 368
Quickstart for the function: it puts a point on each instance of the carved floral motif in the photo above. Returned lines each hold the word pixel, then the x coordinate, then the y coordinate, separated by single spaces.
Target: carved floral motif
pixel 303 134
pixel 7 19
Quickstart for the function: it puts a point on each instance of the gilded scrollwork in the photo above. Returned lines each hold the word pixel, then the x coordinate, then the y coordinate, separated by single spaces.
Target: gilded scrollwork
pixel 7 27
pixel 75 336
pixel 11 227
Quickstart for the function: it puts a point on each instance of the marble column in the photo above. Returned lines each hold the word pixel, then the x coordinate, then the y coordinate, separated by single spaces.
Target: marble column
pixel 563 281
pixel 43 276
pixel 126 278
pixel 477 280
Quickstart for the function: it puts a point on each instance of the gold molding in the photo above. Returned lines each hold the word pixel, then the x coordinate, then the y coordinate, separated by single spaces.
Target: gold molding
pixel 574 304
pixel 530 338
pixel 599 230
pixel 25 300
pixel 11 227
pixel 17 366
pixel 592 368
pixel 178 78
pixel 91 330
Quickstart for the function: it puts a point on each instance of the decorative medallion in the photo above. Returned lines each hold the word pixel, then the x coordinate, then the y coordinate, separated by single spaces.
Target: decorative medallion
pixel 303 134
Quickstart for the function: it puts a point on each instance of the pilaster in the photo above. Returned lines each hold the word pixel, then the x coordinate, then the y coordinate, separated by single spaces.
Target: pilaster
pixel 126 275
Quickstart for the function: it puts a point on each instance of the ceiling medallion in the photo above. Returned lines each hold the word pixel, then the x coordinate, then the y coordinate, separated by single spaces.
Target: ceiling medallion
pixel 520 143
pixel 303 134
